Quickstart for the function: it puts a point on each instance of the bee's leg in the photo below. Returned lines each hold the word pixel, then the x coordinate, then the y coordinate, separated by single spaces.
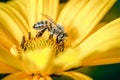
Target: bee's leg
pixel 51 34
pixel 40 33
pixel 22 42
pixel 58 38
pixel 61 44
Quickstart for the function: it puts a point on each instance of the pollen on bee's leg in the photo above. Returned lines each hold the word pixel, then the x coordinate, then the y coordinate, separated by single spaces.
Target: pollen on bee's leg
pixel 61 44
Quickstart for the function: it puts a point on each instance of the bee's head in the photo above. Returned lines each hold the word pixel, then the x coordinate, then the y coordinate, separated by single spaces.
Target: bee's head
pixel 38 26
pixel 34 26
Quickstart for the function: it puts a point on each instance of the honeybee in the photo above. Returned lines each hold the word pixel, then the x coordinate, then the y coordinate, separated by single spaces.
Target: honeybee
pixel 52 28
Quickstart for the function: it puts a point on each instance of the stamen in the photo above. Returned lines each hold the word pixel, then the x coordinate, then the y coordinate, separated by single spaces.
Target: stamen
pixel 41 42
pixel 23 41
pixel 29 36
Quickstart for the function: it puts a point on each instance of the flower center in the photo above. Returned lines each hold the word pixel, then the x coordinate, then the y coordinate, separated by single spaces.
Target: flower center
pixel 36 43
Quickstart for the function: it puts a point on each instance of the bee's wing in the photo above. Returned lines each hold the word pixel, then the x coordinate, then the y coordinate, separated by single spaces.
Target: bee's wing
pixel 49 18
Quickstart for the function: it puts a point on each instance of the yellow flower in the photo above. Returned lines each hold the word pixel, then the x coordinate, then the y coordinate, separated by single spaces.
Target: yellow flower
pixel 28 57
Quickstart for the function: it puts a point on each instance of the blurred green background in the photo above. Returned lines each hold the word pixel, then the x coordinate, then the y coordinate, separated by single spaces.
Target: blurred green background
pixel 104 72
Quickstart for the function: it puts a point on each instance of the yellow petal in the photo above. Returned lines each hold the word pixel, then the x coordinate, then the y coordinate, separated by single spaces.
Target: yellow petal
pixel 102 58
pixel 10 60
pixel 38 61
pixel 4 38
pixel 17 17
pixel 50 8
pixel 14 51
pixel 61 6
pixel 76 75
pixel 39 10
pixel 31 14
pixel 17 76
pixel 84 17
pixel 65 18
pixel 48 78
pixel 45 78
pixel 36 77
pixel 42 78
pixel 53 8
pixel 6 69
pixel 20 6
pixel 68 60
pixel 8 25
pixel 66 9
pixel 29 78
pixel 103 46
pixel 86 22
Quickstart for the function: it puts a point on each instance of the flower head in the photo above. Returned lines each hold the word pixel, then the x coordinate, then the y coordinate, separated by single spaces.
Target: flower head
pixel 35 46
